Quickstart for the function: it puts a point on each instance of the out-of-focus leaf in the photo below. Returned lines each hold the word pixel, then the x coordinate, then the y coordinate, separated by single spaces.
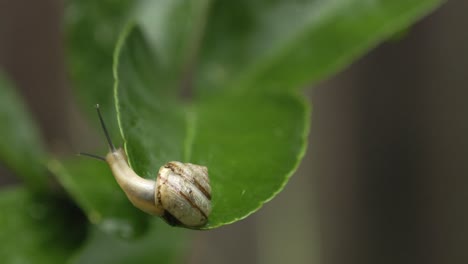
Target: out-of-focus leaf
pixel 91 184
pixel 161 244
pixel 21 147
pixel 286 45
pixel 37 229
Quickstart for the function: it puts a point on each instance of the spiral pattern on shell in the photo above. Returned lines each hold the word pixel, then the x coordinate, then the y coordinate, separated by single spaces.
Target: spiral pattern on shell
pixel 183 193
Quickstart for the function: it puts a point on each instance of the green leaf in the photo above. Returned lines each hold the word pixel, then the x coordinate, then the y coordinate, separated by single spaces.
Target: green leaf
pixel 287 45
pixel 21 147
pixel 162 244
pixel 250 143
pixel 37 229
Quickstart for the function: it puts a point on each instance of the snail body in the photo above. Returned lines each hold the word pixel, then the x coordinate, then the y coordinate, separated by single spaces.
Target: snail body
pixel 181 194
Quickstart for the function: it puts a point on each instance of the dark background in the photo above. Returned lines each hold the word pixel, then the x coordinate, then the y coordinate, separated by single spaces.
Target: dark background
pixel 385 176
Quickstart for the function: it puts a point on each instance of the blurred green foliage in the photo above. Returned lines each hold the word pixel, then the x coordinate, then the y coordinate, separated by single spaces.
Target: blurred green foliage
pixel 216 83
pixel 20 141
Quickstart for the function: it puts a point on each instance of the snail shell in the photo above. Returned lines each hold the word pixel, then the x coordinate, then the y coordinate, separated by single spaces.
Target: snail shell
pixel 183 191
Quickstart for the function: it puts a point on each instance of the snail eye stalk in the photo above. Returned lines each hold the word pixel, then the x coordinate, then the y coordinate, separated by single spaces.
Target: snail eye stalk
pixel 91 156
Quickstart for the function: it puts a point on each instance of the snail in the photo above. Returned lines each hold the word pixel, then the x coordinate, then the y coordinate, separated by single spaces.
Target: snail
pixel 181 194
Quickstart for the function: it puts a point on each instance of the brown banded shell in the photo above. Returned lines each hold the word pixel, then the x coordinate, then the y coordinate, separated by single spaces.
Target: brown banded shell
pixel 183 193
